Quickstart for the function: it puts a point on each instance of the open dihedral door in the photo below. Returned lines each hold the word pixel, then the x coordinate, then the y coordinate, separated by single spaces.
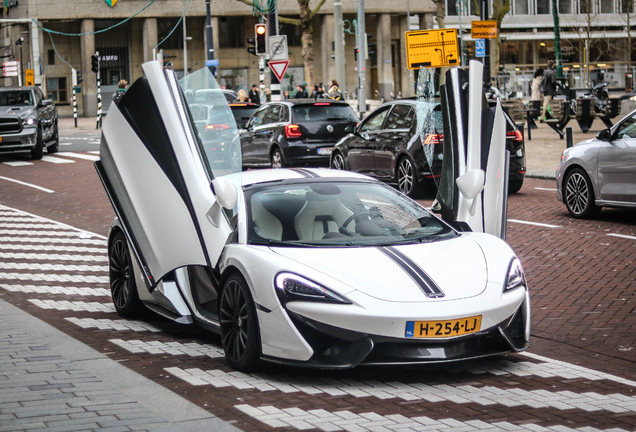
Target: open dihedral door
pixel 473 181
pixel 154 169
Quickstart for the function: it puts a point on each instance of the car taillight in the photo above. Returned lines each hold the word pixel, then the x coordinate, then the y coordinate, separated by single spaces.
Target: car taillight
pixel 235 104
pixel 514 135
pixel 433 139
pixel 217 126
pixel 293 131
pixel 322 103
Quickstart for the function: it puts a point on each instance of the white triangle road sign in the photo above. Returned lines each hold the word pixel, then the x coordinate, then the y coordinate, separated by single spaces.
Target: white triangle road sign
pixel 279 67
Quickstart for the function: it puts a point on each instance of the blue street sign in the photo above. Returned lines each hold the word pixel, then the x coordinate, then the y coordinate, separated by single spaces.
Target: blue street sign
pixel 480 47
pixel 213 62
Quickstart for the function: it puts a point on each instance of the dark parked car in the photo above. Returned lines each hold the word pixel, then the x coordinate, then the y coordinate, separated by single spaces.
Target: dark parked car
pixel 295 132
pixel 242 112
pixel 386 145
pixel 27 121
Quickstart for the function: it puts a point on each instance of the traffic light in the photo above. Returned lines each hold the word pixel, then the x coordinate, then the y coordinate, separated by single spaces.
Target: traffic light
pixel 251 50
pixel 260 31
pixel 356 51
pixel 94 63
pixel 79 77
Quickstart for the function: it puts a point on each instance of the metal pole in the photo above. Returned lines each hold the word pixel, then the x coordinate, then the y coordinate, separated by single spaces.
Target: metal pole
pixel 557 41
pixel 362 61
pixel 74 107
pixel 209 37
pixel 339 43
pixel 408 28
pixel 21 67
pixel 272 27
pixel 458 7
pixel 185 44
pixel 99 94
pixel 484 16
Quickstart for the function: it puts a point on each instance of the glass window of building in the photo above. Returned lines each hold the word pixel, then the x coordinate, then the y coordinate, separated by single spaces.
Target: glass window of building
pixel 164 27
pixel 232 32
pixel 521 7
pixel 51 55
pixel 607 6
pixel 627 6
pixel 234 79
pixel 56 90
pixel 292 32
pixel 585 6
pixel 543 7
pixel 565 6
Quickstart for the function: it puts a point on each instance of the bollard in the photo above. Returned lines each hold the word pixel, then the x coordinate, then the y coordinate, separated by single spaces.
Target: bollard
pixel 568 137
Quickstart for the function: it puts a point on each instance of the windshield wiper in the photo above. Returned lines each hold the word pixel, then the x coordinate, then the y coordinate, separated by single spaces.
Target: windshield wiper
pixel 272 242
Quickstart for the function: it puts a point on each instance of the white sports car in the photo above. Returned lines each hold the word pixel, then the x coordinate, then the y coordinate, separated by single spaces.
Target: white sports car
pixel 311 267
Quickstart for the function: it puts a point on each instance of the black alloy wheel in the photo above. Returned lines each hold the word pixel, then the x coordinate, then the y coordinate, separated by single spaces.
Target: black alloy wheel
pixel 514 186
pixel 579 195
pixel 239 327
pixel 122 278
pixel 38 151
pixel 337 161
pixel 407 178
pixel 55 147
pixel 277 158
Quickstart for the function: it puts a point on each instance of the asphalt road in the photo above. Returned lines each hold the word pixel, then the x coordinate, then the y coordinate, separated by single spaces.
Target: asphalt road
pixel 580 373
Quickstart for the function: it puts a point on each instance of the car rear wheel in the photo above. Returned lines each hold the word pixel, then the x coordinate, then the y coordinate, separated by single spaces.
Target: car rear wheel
pixel 122 280
pixel 55 147
pixel 515 186
pixel 239 327
pixel 406 177
pixel 579 195
pixel 38 151
pixel 277 158
pixel 338 162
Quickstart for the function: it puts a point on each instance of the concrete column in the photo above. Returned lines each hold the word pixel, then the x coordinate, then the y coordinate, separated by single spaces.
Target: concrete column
pixel 89 86
pixel 150 37
pixel 426 21
pixel 385 65
pixel 407 76
pixel 328 64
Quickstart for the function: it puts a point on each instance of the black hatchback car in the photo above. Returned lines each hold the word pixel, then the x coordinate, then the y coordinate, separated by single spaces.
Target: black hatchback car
pixel 386 145
pixel 295 132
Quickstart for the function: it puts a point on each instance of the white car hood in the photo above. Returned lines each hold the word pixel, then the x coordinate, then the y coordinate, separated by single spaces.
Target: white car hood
pixel 456 266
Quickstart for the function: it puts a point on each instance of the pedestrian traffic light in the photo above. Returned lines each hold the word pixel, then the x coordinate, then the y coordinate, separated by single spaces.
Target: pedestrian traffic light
pixel 260 31
pixel 356 51
pixel 251 50
pixel 94 63
pixel 79 77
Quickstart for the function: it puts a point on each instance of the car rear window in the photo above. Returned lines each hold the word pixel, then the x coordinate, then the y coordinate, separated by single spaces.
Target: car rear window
pixel 323 112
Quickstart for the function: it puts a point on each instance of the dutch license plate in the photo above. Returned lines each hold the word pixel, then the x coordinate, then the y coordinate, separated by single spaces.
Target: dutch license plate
pixel 443 329
pixel 0 139
pixel 325 151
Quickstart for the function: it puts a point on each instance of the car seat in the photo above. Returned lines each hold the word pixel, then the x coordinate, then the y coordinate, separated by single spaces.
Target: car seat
pixel 266 224
pixel 321 215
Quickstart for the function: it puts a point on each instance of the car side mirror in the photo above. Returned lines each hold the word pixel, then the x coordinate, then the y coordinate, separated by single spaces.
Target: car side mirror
pixel 46 102
pixel 350 129
pixel 604 135
pixel 225 192
pixel 470 185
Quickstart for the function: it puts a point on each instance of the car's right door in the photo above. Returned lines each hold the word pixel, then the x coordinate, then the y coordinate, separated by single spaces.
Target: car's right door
pixel 360 155
pixel 617 164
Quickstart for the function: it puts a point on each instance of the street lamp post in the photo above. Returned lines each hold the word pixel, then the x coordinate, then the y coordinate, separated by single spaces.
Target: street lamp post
pixel 20 79
pixel 362 61
pixel 209 37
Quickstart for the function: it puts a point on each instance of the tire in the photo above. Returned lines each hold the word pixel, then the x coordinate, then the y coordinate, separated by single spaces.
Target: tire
pixel 239 325
pixel 122 279
pixel 406 176
pixel 579 195
pixel 338 162
pixel 276 158
pixel 514 186
pixel 38 151
pixel 55 147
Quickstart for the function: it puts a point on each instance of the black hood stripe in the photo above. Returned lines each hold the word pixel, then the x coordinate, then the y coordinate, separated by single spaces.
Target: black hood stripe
pixel 306 173
pixel 424 281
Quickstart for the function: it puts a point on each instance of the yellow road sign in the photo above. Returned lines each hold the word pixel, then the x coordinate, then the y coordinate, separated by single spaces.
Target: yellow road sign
pixel 431 48
pixel 28 77
pixel 484 30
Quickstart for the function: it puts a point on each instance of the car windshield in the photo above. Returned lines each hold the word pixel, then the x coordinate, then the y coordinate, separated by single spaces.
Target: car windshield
pixel 15 98
pixel 213 123
pixel 322 111
pixel 338 214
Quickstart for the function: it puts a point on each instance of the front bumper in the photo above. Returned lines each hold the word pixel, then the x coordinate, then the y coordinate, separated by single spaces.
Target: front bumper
pixel 24 140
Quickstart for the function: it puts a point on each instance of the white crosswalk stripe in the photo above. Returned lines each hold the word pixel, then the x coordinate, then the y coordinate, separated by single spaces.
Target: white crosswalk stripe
pixel 118 325
pixel 56 160
pixel 79 156
pixel 28 247
pixel 52 267
pixel 52 257
pixel 54 278
pixel 173 348
pixel 33 225
pixel 34 232
pixel 41 289
pixel 75 306
pixel 18 163
pixel 53 240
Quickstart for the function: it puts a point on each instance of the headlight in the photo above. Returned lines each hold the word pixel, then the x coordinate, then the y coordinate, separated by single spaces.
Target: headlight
pixel 291 287
pixel 515 278
pixel 28 122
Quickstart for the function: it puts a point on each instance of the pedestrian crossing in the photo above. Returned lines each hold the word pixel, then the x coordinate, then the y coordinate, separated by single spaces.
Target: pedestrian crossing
pixel 57 269
pixel 59 158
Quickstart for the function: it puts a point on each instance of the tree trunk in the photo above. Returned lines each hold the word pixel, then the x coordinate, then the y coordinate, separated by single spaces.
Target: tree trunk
pixel 440 13
pixel 307 40
pixel 499 11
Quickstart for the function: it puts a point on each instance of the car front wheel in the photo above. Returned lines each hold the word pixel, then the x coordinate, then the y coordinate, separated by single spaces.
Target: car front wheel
pixel 239 327
pixel 407 178
pixel 579 195
pixel 55 147
pixel 122 278
pixel 337 161
pixel 38 151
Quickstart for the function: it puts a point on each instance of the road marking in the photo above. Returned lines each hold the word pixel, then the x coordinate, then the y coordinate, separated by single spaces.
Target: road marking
pixel 18 163
pixel 622 236
pixel 94 152
pixel 27 184
pixel 39 289
pixel 53 267
pixel 172 348
pixel 117 325
pixel 23 247
pixel 80 156
pixel 34 224
pixel 53 240
pixel 547 189
pixel 42 233
pixel 54 278
pixel 52 257
pixel 56 160
pixel 534 223
pixel 66 144
pixel 75 306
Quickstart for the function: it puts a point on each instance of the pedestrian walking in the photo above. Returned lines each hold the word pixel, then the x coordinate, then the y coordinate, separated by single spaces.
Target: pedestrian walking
pixel 536 85
pixel 121 89
pixel 334 90
pixel 548 87
pixel 255 97
pixel 300 93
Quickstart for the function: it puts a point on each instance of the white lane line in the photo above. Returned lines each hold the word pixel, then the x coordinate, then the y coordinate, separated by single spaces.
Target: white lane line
pixel 75 306
pixel 27 184
pixel 52 257
pixel 66 144
pixel 33 277
pixel 546 189
pixel 534 223
pixel 173 348
pixel 18 163
pixel 94 152
pixel 32 266
pixel 56 160
pixel 80 156
pixel 23 247
pixel 117 325
pixel 44 233
pixel 622 236
pixel 42 289
pixel 53 240
pixel 11 211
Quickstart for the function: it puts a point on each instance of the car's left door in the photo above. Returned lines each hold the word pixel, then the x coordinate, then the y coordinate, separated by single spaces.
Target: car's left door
pixel 617 164
pixel 158 176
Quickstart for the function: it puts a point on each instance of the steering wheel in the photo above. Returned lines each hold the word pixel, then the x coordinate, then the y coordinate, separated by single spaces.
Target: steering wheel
pixel 354 217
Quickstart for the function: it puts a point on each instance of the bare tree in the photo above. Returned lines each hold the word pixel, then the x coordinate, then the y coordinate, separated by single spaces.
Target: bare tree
pixel 306 31
pixel 627 14
pixel 499 10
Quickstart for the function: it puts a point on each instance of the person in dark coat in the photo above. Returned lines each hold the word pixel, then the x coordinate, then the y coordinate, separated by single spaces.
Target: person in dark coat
pixel 254 96
pixel 548 87
pixel 300 93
